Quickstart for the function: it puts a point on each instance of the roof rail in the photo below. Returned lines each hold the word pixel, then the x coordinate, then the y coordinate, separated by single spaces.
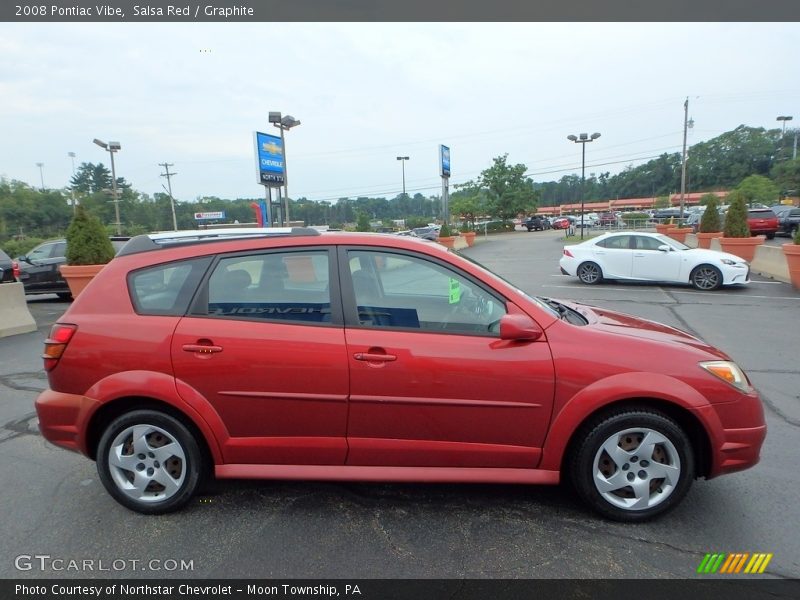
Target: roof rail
pixel 155 241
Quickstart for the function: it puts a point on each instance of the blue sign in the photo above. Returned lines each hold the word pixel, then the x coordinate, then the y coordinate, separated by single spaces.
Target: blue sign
pixel 269 154
pixel 444 160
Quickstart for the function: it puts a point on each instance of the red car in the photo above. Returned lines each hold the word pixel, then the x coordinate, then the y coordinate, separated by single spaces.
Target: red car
pixel 563 222
pixel 762 221
pixel 282 354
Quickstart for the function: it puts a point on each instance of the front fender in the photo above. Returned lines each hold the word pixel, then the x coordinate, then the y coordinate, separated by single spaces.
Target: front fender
pixel 163 388
pixel 618 388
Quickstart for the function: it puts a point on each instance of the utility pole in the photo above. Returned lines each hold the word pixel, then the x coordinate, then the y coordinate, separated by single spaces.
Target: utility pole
pixel 41 173
pixel 683 161
pixel 167 174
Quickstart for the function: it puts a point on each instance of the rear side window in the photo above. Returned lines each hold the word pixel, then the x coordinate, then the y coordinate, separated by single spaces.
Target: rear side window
pixel 617 242
pixel 166 289
pixel 282 286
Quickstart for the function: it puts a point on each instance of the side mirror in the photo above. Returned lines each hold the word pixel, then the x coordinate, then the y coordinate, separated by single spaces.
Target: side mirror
pixel 24 259
pixel 519 327
pixel 665 248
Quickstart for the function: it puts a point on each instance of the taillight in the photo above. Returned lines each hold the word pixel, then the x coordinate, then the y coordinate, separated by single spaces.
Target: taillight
pixel 54 346
pixel 568 253
pixel 15 269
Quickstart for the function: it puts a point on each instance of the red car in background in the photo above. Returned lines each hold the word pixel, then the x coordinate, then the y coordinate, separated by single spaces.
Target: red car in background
pixel 563 222
pixel 762 221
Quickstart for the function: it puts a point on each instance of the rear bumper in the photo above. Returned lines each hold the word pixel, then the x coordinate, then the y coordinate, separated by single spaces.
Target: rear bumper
pixel 63 419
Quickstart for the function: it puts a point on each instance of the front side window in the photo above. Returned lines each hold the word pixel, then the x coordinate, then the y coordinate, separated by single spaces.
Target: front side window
pixel 284 286
pixel 41 252
pixel 403 291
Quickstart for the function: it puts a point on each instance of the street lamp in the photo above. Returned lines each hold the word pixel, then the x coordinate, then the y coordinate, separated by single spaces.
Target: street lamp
pixel 72 187
pixel 113 147
pixel 583 139
pixel 283 123
pixel 784 119
pixel 41 173
pixel 403 160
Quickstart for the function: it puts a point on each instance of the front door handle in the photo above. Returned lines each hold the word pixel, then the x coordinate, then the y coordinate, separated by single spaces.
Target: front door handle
pixel 201 348
pixel 369 357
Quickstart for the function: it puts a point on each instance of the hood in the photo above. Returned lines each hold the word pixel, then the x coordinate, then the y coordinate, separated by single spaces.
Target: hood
pixel 623 324
pixel 703 254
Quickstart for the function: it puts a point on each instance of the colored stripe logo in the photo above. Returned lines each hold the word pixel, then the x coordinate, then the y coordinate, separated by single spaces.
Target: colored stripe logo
pixel 741 562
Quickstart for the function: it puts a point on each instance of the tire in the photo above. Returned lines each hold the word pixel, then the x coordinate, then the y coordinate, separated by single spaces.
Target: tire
pixel 64 296
pixel 160 473
pixel 589 273
pixel 620 479
pixel 706 278
pixel 770 236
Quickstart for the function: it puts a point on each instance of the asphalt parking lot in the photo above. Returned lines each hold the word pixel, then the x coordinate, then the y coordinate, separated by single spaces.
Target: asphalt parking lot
pixel 54 503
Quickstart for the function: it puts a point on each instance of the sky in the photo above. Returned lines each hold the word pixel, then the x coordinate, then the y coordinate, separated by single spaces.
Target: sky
pixel 192 95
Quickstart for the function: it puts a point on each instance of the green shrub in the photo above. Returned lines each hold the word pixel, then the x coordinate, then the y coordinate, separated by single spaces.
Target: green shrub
pixel 710 221
pixel 87 241
pixel 498 226
pixel 445 231
pixel 797 236
pixel 466 227
pixel 635 216
pixel 736 219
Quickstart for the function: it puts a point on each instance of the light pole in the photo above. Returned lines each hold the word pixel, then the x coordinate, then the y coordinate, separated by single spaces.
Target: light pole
pixel 283 123
pixel 785 118
pixel 583 139
pixel 403 160
pixel 72 187
pixel 113 147
pixel 41 173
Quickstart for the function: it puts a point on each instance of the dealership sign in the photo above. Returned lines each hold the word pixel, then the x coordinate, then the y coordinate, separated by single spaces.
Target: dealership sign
pixel 269 158
pixel 444 160
pixel 209 216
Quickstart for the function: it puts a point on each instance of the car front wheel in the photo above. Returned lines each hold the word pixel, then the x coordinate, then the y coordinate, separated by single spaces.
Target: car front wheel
pixel 149 462
pixel 590 273
pixel 706 277
pixel 633 465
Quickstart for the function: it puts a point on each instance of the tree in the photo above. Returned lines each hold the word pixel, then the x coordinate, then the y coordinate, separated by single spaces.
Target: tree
pixel 736 219
pixel 786 175
pixel 757 188
pixel 507 190
pixel 710 222
pixel 661 202
pixel 467 206
pixel 362 222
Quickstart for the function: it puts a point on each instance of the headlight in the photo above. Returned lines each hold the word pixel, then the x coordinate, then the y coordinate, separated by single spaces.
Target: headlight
pixel 729 372
pixel 732 263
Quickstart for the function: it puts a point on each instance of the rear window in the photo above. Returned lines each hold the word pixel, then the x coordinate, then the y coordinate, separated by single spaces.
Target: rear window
pixel 761 213
pixel 166 289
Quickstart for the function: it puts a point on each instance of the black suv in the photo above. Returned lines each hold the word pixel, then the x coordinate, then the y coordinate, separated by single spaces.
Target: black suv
pixel 39 269
pixel 6 268
pixel 788 219
pixel 536 223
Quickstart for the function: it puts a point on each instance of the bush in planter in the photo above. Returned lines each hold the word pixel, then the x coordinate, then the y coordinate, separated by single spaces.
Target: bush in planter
pixel 710 222
pixel 87 241
pixel 736 219
pixel 445 231
pixel 466 227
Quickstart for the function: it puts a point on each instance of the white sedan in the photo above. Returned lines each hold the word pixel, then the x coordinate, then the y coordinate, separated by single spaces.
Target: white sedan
pixel 638 256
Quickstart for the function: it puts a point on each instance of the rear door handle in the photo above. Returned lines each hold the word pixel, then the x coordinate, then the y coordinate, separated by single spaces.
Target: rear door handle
pixel 201 349
pixel 369 357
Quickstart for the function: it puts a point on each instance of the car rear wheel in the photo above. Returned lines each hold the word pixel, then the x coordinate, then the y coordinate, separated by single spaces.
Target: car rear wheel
pixel 706 278
pixel 770 236
pixel 590 273
pixel 149 462
pixel 633 465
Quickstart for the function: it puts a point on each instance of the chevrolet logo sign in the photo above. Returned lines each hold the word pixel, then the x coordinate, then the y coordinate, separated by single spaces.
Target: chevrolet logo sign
pixel 271 147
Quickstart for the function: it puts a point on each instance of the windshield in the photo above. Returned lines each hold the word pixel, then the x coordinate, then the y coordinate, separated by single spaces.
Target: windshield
pixel 670 242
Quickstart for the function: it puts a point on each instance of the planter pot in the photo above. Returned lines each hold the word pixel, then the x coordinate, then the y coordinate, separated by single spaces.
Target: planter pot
pixel 704 239
pixel 792 254
pixel 742 247
pixel 447 242
pixel 662 227
pixel 469 237
pixel 679 233
pixel 79 276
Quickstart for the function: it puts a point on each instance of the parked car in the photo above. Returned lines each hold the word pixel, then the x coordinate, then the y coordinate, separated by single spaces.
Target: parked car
pixel 39 269
pixel 345 356
pixel 608 218
pixel 536 223
pixel 7 268
pixel 564 223
pixel 762 221
pixel 642 256
pixel 788 219
pixel 427 233
pixel 665 214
